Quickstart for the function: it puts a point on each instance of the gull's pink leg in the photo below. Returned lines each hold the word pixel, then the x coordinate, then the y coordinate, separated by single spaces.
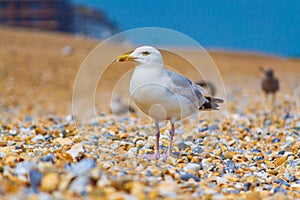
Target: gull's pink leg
pixel 157 134
pixel 172 131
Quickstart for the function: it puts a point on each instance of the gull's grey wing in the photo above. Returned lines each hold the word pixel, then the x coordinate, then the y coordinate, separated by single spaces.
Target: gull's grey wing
pixel 178 79
pixel 181 85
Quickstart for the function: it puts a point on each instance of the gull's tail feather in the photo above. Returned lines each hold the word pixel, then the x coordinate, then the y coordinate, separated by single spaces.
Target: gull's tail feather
pixel 211 104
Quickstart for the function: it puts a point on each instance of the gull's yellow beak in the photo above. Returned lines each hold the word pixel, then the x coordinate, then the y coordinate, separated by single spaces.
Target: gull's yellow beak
pixel 125 57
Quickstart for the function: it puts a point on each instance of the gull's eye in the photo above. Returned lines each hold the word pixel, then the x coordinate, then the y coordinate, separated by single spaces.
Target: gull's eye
pixel 145 53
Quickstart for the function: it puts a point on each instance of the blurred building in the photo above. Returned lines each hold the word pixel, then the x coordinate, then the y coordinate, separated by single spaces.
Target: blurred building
pixel 40 14
pixel 92 23
pixel 56 15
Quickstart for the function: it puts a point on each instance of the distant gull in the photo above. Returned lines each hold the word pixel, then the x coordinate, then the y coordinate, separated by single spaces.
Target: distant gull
pixel 118 107
pixel 209 85
pixel 269 84
pixel 163 94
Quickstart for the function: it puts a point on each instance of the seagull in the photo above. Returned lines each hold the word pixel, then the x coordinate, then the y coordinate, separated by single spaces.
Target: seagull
pixel 163 94
pixel 118 107
pixel 269 84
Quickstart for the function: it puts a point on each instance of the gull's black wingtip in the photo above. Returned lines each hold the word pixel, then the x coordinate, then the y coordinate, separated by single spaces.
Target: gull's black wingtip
pixel 211 104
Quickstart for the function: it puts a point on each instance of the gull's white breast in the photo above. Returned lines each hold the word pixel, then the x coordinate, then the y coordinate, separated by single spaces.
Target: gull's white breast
pixel 153 95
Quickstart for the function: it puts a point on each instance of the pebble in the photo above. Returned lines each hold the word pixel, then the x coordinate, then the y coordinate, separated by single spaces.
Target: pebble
pixel 279 189
pixel 49 158
pixel 253 196
pixel 280 161
pixel 35 178
pixel 82 167
pixel 3 155
pixel 38 138
pixel 295 186
pixel 44 196
pixel 76 150
pixel 192 167
pixel 279 196
pixel 227 155
pixel 292 178
pixel 22 169
pixel 281 152
pixel 276 140
pixel 50 182
pixel 197 150
pixel 167 189
pixel 239 185
pixel 122 196
pixel 187 176
pixel 247 186
pixel 182 146
pixel 63 141
pixel 283 182
pixel 67 50
pixel 79 185
pixel 221 180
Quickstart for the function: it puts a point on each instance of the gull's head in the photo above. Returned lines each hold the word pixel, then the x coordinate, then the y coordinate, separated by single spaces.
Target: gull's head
pixel 143 55
pixel 268 73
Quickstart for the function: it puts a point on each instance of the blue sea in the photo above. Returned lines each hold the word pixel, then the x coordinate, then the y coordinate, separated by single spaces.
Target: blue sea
pixel 264 26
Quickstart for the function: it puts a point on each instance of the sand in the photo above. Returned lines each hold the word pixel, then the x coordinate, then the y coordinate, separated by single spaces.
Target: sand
pixel 35 74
